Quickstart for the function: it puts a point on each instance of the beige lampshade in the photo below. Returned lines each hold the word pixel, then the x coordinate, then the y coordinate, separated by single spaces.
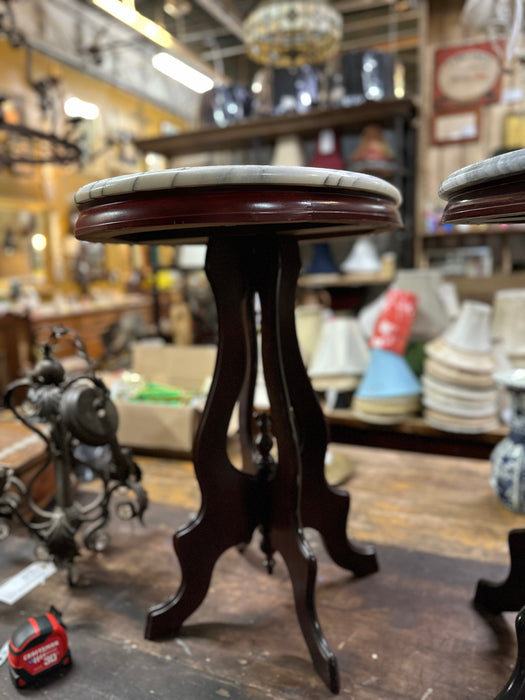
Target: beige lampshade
pixel 456 424
pixel 288 150
pixel 308 323
pixel 466 345
pixel 460 377
pixel 508 321
pixel 341 355
pixel 432 317
pixel 459 401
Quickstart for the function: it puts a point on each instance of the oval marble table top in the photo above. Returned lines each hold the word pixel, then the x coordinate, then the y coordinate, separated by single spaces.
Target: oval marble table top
pixel 190 204
pixel 235 175
pixel 484 172
pixel 490 191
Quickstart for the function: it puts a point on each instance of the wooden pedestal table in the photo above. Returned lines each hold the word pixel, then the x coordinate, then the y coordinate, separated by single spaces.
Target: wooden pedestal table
pixel 493 192
pixel 252 218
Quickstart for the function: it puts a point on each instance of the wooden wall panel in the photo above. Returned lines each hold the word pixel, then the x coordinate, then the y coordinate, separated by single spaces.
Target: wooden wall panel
pixel 437 162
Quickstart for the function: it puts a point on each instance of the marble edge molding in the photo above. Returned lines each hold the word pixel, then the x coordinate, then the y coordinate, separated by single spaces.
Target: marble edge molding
pixel 236 175
pixel 496 167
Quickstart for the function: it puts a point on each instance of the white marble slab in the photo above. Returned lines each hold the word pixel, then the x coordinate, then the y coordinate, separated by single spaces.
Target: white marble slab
pixel 512 163
pixel 236 175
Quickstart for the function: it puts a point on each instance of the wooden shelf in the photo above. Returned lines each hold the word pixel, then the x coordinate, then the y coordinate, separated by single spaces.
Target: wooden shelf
pixel 267 129
pixel 413 435
pixel 483 288
pixel 321 281
pixel 475 231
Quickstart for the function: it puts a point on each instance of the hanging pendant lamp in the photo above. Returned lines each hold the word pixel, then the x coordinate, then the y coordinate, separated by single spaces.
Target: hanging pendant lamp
pixel 287 33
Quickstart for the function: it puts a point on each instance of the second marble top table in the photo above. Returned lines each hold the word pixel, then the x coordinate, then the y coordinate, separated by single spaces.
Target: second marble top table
pixel 252 219
pixel 490 191
pixel 493 191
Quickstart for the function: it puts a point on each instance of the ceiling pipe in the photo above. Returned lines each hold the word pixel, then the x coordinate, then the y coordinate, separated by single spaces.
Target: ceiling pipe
pixel 172 44
pixel 227 18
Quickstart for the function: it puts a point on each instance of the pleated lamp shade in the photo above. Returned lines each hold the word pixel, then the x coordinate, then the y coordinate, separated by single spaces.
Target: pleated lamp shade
pixel 341 355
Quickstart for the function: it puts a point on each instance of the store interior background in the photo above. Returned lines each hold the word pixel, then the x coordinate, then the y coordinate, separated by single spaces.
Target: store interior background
pixel 75 49
pixel 419 493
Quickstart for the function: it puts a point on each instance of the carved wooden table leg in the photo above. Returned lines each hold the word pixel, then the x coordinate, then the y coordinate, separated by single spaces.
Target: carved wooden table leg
pixel 228 514
pixel 285 531
pixel 217 528
pixel 510 594
pixel 317 497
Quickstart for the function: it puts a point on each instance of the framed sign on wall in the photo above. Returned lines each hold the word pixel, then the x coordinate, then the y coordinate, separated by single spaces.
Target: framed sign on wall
pixel 467 76
pixel 456 127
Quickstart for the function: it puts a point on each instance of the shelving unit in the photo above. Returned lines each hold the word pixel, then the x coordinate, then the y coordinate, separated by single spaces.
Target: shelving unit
pixel 398 116
pixel 267 129
pixel 451 239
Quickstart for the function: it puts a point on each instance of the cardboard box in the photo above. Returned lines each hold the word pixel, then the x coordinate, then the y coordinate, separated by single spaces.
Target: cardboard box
pixel 165 428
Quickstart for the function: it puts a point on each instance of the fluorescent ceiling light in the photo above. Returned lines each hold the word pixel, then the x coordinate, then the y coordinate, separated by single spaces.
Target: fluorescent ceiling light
pixel 126 13
pixel 75 107
pixel 182 72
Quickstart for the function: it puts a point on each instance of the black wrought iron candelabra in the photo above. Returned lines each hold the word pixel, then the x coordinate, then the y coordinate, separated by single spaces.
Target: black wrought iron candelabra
pixel 78 423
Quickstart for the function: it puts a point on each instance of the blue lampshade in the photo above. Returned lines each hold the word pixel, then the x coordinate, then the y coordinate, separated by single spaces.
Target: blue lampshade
pixel 322 262
pixel 388 375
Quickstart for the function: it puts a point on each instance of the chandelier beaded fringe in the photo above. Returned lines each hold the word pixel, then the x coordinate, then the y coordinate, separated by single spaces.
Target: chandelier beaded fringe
pixel 287 33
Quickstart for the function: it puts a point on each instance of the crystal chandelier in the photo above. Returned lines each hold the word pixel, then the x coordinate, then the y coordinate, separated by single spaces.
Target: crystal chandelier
pixel 285 33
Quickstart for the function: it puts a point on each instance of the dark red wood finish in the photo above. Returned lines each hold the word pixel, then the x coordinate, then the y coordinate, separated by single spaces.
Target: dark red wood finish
pixel 499 201
pixel 173 216
pixel 252 235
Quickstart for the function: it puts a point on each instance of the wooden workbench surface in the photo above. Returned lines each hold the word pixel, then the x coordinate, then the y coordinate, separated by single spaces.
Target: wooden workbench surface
pixel 408 632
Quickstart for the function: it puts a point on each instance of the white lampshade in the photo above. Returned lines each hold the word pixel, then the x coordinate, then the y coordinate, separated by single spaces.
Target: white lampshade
pixel 363 257
pixel 341 356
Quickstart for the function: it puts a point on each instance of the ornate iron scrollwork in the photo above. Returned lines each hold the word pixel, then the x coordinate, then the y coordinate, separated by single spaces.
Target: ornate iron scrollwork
pixel 78 422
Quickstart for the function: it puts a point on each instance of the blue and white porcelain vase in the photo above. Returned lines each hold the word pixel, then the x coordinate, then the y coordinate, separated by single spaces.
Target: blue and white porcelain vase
pixel 508 457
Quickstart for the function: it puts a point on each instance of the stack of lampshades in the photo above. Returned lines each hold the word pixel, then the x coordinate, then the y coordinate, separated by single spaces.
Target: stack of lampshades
pixel 459 393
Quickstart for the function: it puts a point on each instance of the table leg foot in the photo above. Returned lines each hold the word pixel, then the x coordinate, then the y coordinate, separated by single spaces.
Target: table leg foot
pixel 515 687
pixel 197 558
pixel 510 594
pixel 359 558
pixel 198 547
pixel 302 567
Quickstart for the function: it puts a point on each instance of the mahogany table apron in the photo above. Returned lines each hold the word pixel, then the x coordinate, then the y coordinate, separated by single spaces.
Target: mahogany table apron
pixel 252 229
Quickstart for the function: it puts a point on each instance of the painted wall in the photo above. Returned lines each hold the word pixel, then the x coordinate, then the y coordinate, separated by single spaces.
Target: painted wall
pixel 49 189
